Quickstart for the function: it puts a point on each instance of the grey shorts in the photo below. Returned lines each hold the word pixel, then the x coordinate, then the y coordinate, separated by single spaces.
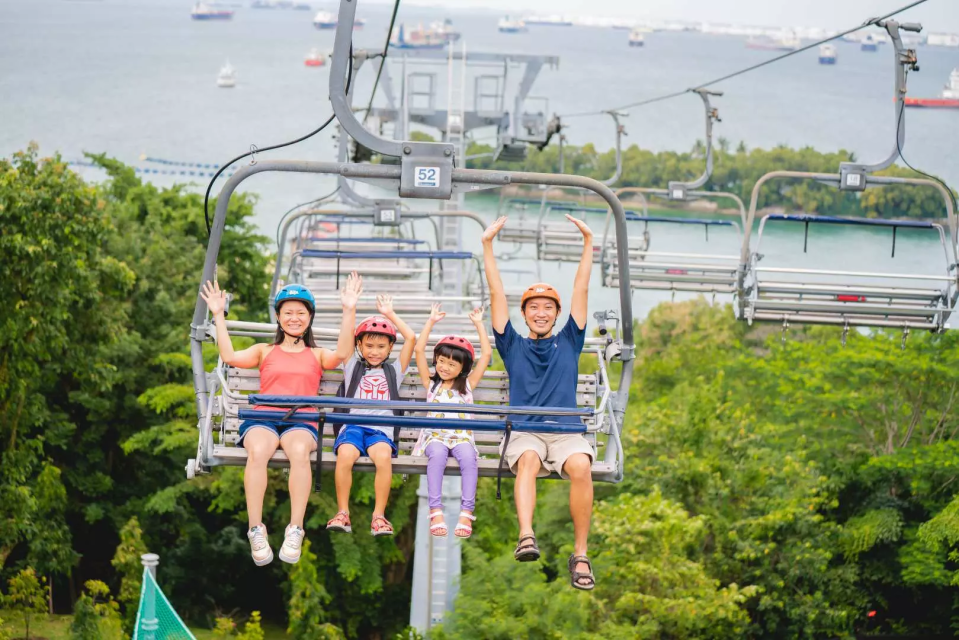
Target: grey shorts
pixel 553 450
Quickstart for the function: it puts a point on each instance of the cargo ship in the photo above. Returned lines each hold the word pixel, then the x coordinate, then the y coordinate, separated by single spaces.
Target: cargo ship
pixel 948 98
pixel 206 12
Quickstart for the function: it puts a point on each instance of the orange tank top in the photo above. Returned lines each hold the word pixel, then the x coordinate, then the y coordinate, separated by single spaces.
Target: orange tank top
pixel 283 373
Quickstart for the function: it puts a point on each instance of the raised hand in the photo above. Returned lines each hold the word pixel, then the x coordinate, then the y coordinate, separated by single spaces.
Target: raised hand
pixel 476 315
pixel 436 313
pixel 384 304
pixel 585 230
pixel 350 294
pixel 494 229
pixel 215 298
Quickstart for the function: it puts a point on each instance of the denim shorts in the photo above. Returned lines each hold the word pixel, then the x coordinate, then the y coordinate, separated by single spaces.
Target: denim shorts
pixel 274 427
pixel 363 438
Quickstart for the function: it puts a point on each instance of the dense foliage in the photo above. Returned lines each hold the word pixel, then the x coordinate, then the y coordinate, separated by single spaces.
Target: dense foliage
pixel 772 490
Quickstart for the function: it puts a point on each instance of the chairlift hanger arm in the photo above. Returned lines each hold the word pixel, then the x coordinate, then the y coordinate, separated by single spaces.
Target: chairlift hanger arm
pixel 679 190
pixel 620 132
pixel 903 60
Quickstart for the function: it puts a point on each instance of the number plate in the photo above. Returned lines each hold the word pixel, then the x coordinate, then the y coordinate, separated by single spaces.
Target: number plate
pixel 427 177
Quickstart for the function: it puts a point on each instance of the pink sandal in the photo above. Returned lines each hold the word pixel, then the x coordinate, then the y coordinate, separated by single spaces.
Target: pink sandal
pixel 466 529
pixel 438 529
pixel 380 526
pixel 340 522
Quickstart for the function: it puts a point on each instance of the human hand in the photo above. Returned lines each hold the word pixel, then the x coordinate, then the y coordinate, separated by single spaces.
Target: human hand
pixel 585 230
pixel 436 313
pixel 476 315
pixel 384 304
pixel 350 294
pixel 215 298
pixel 493 229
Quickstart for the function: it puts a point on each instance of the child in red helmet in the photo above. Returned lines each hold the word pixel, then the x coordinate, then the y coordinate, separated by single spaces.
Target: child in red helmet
pixel 452 382
pixel 369 375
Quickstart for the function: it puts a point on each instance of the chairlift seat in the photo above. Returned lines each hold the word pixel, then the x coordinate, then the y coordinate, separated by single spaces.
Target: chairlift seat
pixel 493 389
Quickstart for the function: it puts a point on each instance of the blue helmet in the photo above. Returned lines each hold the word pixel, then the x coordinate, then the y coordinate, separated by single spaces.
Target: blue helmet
pixel 295 292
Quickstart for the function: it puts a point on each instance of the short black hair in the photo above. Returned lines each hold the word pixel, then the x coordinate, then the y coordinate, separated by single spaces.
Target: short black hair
pixel 456 354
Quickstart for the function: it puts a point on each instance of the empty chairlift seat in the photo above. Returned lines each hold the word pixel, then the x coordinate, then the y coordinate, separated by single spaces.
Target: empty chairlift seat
pixel 563 242
pixel 655 267
pixel 914 299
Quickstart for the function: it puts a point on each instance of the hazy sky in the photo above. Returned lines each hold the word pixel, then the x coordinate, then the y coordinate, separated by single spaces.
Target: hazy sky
pixel 935 15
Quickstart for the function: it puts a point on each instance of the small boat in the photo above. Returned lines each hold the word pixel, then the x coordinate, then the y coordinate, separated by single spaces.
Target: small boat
pixel 314 59
pixel 263 4
pixel 508 25
pixel 203 11
pixel 869 43
pixel 418 38
pixel 827 54
pixel 948 97
pixel 636 38
pixel 786 42
pixel 302 6
pixel 327 20
pixel 227 77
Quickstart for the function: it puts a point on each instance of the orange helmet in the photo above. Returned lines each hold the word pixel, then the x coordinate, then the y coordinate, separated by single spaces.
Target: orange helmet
pixel 540 290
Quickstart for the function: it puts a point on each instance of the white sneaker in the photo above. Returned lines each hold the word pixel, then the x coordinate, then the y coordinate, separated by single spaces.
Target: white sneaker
pixel 260 546
pixel 290 551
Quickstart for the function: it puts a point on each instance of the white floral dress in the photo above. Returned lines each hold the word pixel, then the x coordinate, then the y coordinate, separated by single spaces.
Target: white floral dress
pixel 448 437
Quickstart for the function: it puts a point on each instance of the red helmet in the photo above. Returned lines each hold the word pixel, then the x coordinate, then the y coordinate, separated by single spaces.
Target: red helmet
pixel 460 343
pixel 377 325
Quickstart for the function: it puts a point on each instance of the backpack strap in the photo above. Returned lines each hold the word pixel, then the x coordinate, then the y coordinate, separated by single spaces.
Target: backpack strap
pixel 349 392
pixel 393 385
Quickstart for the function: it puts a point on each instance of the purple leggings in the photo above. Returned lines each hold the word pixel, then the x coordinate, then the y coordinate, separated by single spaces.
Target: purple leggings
pixel 437 454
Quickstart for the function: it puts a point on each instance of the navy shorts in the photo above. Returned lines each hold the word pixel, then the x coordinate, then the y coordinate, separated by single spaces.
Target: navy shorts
pixel 363 438
pixel 276 428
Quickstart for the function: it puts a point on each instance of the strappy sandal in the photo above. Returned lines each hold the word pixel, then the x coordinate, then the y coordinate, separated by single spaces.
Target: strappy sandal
pixel 575 576
pixel 384 528
pixel 527 552
pixel 466 529
pixel 438 529
pixel 340 522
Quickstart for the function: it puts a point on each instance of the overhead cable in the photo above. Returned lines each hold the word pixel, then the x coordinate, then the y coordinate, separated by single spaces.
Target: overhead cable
pixel 703 85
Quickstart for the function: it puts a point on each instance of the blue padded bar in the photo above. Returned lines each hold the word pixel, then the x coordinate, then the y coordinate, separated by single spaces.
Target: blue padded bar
pixel 332 402
pixel 697 221
pixel 413 422
pixel 387 255
pixel 803 217
pixel 372 240
pixel 567 207
pixel 533 201
pixel 341 219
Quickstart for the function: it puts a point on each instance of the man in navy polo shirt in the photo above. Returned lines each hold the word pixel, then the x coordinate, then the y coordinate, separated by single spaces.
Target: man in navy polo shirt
pixel 543 370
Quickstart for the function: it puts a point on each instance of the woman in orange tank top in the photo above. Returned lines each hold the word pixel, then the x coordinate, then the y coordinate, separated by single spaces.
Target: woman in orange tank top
pixel 292 365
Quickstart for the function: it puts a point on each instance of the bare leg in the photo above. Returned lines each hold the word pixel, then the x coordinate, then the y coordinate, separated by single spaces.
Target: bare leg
pixel 298 444
pixel 382 456
pixel 346 457
pixel 524 492
pixel 260 444
pixel 579 470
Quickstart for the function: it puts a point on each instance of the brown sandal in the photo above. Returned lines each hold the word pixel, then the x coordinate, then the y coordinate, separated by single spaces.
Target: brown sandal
pixel 384 528
pixel 575 576
pixel 526 549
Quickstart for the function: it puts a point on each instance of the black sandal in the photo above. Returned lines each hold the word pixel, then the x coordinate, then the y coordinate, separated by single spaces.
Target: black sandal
pixel 575 576
pixel 527 552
